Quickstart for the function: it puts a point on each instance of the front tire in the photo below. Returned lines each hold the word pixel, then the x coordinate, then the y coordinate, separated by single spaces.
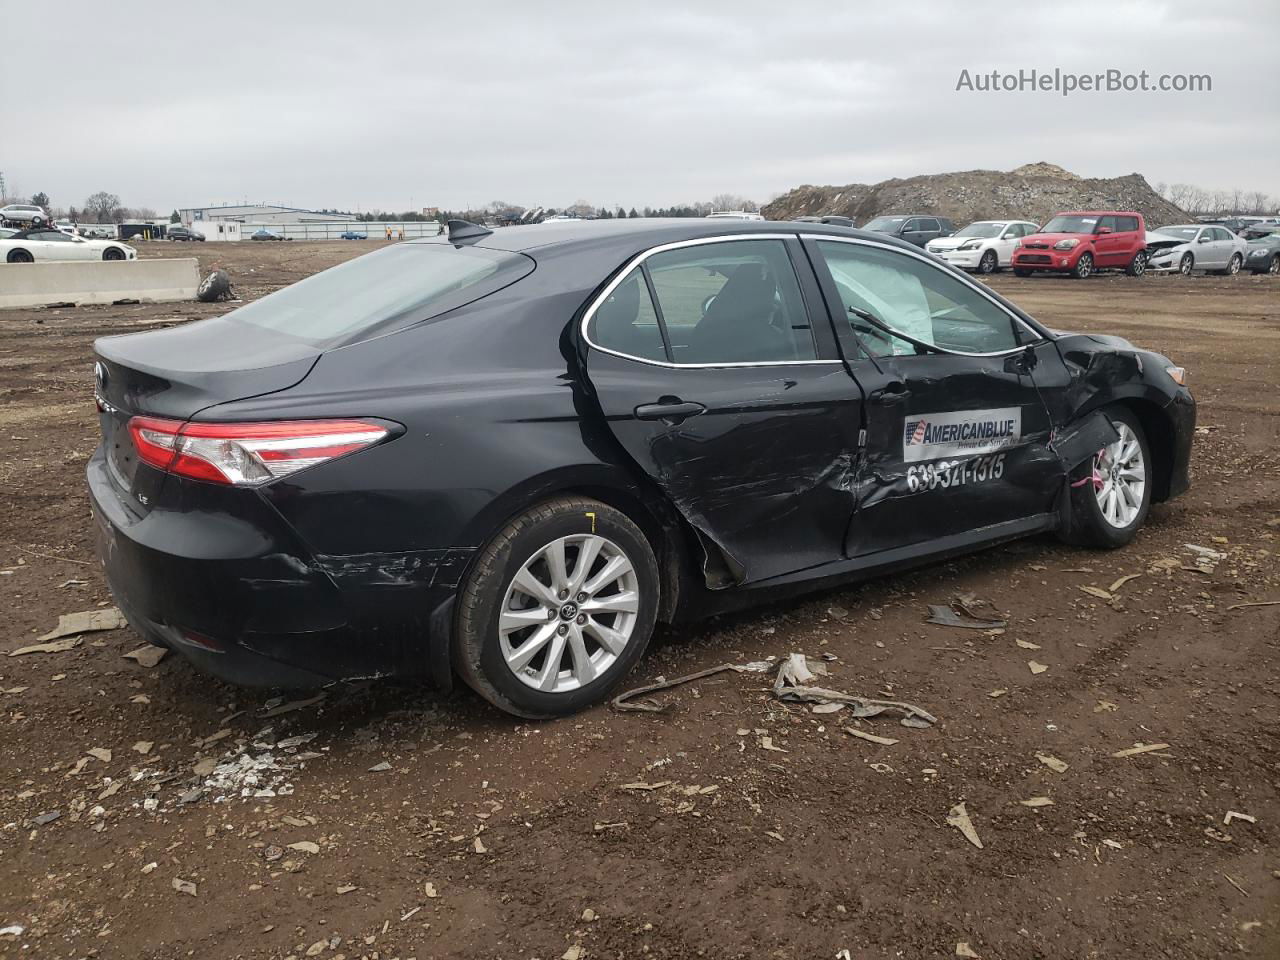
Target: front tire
pixel 1186 264
pixel 557 608
pixel 111 253
pixel 989 263
pixel 1083 267
pixel 1019 272
pixel 1111 491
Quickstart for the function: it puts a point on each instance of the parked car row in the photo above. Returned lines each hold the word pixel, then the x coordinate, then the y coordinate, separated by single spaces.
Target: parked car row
pixel 1082 242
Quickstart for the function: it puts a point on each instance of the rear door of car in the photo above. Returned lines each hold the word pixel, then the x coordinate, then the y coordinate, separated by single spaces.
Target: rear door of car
pixel 957 433
pixel 716 370
pixel 1107 246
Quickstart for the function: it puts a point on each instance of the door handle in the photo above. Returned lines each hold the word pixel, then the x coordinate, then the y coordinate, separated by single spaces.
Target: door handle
pixel 670 410
pixel 891 392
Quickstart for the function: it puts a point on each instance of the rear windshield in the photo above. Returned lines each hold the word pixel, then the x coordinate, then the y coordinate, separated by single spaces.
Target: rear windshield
pixel 383 291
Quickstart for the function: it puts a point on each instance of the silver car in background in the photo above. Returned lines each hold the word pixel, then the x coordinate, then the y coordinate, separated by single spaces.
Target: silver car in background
pixel 1186 247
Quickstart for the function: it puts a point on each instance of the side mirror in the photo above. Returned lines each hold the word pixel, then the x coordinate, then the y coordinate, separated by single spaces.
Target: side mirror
pixel 1103 230
pixel 1203 240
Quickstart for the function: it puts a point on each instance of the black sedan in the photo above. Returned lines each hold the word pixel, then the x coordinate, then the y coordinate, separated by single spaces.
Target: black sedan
pixel 1263 253
pixel 506 456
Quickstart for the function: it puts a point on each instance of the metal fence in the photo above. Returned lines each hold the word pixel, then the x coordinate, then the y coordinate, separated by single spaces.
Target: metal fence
pixel 374 230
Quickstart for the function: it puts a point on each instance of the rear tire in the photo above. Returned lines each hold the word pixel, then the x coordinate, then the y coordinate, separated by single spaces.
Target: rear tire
pixel 1234 266
pixel 20 256
pixel 1083 267
pixel 1138 265
pixel 538 636
pixel 1111 491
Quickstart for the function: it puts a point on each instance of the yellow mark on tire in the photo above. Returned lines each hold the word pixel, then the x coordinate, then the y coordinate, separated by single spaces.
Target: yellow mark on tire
pixel 593 521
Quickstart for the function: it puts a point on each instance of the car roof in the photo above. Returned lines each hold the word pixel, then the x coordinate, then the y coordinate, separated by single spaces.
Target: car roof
pixel 648 231
pixel 1096 213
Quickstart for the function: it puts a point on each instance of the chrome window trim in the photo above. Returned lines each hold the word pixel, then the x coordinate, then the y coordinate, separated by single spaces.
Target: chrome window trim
pixel 858 241
pixel 634 262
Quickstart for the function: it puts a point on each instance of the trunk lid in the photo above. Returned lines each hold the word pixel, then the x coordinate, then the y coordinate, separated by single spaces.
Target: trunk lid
pixel 178 372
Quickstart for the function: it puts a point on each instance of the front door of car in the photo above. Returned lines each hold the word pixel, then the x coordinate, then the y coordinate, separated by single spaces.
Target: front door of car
pixel 957 434
pixel 714 379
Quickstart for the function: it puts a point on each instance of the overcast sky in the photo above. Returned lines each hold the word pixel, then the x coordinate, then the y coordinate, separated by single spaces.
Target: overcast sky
pixel 391 105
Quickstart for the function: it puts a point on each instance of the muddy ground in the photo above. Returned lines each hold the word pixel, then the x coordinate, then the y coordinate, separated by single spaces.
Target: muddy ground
pixel 433 827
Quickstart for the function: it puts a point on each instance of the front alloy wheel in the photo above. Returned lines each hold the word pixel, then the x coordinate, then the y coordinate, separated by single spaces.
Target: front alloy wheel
pixel 1110 493
pixel 988 263
pixel 1084 266
pixel 1186 264
pixel 1123 472
pixel 557 608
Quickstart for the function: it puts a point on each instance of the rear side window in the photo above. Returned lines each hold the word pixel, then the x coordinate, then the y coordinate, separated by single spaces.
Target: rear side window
pixel 383 291
pixel 626 322
pixel 1126 224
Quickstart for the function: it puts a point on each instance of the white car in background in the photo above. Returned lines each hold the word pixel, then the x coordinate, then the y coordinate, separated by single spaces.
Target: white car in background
pixel 734 215
pixel 984 245
pixel 47 243
pixel 1185 247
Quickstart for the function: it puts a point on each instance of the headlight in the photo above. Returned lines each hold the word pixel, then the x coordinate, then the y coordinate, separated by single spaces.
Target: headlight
pixel 1066 244
pixel 1260 252
pixel 971 245
pixel 1177 374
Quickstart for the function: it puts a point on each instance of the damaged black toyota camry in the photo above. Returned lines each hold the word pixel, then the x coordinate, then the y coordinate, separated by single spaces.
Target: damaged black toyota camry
pixel 505 456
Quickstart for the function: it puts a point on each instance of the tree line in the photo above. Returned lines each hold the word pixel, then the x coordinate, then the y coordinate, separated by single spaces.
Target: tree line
pixel 1203 202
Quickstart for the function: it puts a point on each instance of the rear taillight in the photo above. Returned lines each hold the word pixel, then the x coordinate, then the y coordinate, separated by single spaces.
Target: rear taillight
pixel 247 454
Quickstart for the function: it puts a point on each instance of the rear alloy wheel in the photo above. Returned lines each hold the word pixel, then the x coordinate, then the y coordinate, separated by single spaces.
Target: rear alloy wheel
pixel 113 253
pixel 1138 265
pixel 557 609
pixel 1275 264
pixel 1084 266
pixel 989 262
pixel 20 256
pixel 1111 493
pixel 1186 264
pixel 1234 266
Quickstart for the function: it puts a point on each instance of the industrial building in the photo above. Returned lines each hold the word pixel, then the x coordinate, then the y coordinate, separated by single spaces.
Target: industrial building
pixel 258 213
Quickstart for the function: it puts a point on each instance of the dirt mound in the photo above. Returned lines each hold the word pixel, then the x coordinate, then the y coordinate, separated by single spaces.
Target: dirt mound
pixel 1032 192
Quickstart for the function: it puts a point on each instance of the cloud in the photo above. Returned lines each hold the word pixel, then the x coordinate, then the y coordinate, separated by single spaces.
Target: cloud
pixel 395 104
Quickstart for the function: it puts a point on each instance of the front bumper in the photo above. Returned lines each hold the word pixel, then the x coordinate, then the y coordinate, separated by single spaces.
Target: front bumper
pixel 1057 261
pixel 1165 264
pixel 964 259
pixel 218 576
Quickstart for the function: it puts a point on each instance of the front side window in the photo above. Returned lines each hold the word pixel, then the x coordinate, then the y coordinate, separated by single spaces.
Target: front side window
pixel 916 299
pixel 733 302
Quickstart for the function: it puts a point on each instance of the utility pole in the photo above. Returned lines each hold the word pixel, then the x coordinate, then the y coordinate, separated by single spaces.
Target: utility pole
pixel 4 195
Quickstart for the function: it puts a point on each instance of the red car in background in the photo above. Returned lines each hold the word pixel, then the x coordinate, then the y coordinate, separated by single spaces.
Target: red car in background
pixel 1082 242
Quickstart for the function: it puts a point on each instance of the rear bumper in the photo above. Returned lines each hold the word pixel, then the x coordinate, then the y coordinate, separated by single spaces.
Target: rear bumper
pixel 222 579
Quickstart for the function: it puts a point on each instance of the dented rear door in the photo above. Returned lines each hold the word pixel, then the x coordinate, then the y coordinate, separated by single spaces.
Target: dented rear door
pixel 712 377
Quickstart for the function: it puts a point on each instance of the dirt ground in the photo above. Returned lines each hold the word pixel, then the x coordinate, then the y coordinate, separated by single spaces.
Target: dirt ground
pixel 431 826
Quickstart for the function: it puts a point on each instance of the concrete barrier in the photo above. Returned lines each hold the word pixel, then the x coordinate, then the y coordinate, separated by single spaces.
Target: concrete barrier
pixel 97 281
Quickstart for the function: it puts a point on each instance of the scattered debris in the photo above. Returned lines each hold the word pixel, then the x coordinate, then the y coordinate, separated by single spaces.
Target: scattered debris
pixel 789 687
pixel 293 705
pixel 143 746
pixel 272 853
pixel 1138 748
pixel 380 767
pixel 766 743
pixel 46 818
pixel 86 621
pixel 1052 762
pixel 479 846
pixel 870 737
pixel 57 646
pixel 826 708
pixel 429 889
pixel 1026 644
pixel 1233 815
pixel 959 818
pixel 1105 706
pixel 646 786
pixel 1116 585
pixel 1036 802
pixel 12 931
pixel 959 614
pixel 100 753
pixel 305 846
pixel 184 886
pixel 1235 883
pixel 1036 667
pixel 995 694
pixel 573 953
pixel 623 700
pixel 1215 834
pixel 1096 592
pixel 147 656
pixel 964 950
pixel 1234 606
